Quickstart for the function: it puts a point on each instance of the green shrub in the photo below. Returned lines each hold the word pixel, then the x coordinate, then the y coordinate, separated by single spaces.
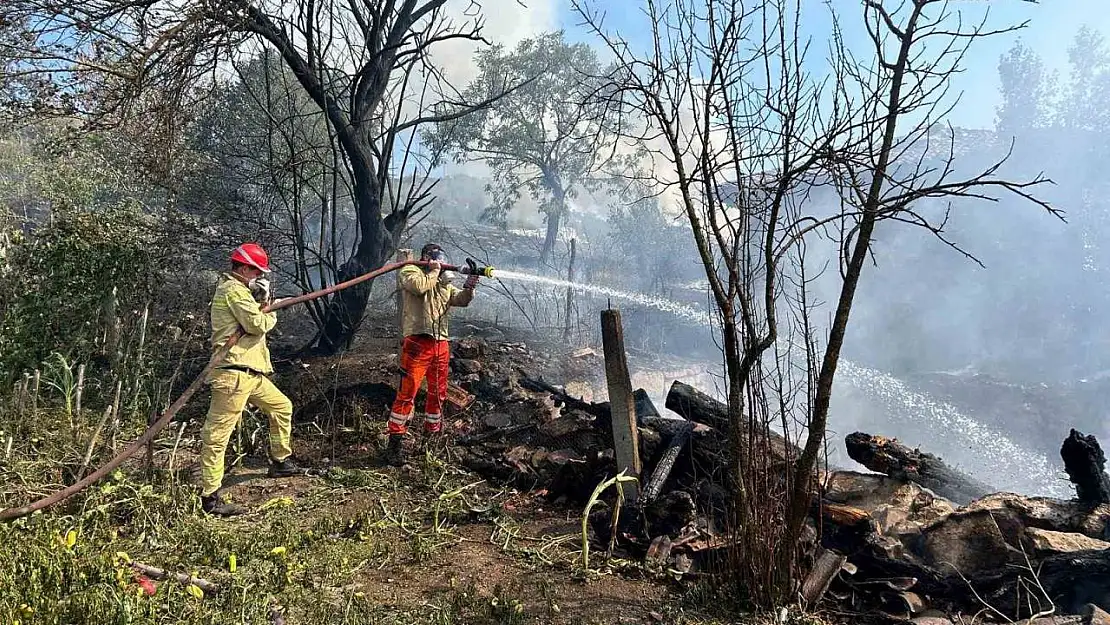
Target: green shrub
pixel 61 277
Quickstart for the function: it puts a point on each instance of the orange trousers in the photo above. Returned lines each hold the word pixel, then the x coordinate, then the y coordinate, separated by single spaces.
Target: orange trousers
pixel 421 355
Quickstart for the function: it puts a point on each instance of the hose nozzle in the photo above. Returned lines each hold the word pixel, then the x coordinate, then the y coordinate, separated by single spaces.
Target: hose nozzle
pixel 472 268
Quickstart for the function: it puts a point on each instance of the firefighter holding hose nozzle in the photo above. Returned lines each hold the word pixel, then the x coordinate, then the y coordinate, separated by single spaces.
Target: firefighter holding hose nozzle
pixel 241 377
pixel 427 297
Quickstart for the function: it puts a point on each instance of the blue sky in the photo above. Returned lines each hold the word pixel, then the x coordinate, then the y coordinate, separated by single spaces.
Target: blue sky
pixel 1052 25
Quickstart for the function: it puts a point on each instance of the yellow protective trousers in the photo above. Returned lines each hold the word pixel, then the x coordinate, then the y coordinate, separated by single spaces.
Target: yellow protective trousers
pixel 231 392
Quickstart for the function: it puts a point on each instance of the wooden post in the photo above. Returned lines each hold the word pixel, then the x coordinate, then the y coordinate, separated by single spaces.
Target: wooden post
pixel 80 388
pixel 35 394
pixel 142 332
pixel 112 329
pixel 23 390
pixel 570 292
pixel 626 437
pixel 115 414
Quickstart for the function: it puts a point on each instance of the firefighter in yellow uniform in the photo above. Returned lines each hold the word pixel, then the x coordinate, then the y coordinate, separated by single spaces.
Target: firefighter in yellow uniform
pixel 240 378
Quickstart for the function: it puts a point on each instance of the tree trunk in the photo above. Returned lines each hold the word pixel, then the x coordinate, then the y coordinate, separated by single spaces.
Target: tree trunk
pixel 346 308
pixel 860 250
pixel 549 241
pixel 555 215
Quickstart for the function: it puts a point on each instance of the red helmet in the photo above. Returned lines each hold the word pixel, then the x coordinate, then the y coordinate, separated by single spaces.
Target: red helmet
pixel 252 254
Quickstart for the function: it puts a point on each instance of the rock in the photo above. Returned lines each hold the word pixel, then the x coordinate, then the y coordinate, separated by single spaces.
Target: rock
pixel 927 508
pixel 465 366
pixel 969 541
pixel 671 512
pixel 649 443
pixel 520 457
pixel 563 456
pixel 550 461
pixel 539 457
pixel 659 551
pixel 580 389
pixel 887 517
pixel 872 491
pixel 563 426
pixel 469 348
pixel 899 509
pixel 866 491
pixel 497 420
pixel 1094 615
pixel 1048 541
pixel 543 407
pixel 1014 512
pixel 887 547
pixel 931 617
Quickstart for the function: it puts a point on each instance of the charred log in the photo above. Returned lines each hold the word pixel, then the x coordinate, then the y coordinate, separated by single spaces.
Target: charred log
pixel 694 405
pixel 1084 462
pixel 600 411
pixel 654 485
pixel 1071 580
pixel 645 408
pixel 913 465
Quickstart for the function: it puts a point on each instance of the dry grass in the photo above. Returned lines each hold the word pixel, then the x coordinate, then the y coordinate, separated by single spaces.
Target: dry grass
pixel 428 545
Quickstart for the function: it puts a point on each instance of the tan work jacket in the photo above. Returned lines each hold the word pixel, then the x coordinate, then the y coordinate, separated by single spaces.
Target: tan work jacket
pixel 233 307
pixel 425 302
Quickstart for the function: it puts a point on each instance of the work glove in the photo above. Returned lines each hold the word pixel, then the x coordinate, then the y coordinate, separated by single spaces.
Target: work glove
pixel 472 279
pixel 260 289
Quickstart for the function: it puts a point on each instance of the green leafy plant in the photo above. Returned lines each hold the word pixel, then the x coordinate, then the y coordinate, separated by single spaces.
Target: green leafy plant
pixel 59 375
pixel 60 277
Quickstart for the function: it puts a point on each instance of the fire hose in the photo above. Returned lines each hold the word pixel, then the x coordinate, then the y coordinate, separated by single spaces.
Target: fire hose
pixel 14 513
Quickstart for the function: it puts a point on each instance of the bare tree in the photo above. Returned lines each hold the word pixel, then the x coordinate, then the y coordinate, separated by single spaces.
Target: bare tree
pixel 269 168
pixel 360 62
pixel 735 136
pixel 898 160
pixel 762 155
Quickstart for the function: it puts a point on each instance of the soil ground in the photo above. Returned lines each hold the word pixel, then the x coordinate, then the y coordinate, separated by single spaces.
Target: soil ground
pixel 501 546
pixel 429 542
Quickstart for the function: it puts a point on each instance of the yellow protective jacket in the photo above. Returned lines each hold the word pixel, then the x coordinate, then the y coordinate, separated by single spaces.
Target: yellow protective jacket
pixel 233 307
pixel 425 302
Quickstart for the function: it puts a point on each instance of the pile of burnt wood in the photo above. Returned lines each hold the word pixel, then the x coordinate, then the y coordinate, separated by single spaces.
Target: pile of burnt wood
pixel 916 540
pixel 939 542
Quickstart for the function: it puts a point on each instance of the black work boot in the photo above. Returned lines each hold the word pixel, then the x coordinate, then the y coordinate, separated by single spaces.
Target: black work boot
pixel 216 506
pixel 285 468
pixel 394 452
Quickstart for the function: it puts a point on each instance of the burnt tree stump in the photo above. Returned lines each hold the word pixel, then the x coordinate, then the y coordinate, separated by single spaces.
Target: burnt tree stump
pixel 1084 461
pixel 913 465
